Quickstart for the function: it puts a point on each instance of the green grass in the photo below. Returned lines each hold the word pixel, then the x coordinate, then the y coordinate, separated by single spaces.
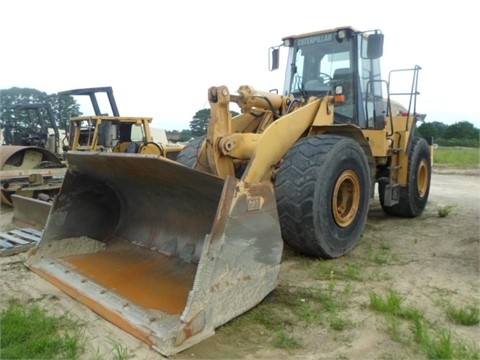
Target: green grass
pixel 444 211
pixel 433 341
pixel 288 308
pixel 340 323
pixel 380 254
pixel 390 304
pixel 456 156
pixel 308 313
pixel 284 341
pixel 467 316
pixel 27 332
pixel 323 270
pixel 121 352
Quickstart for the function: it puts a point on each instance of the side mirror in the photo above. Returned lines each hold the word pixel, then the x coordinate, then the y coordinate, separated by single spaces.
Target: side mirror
pixel 375 46
pixel 274 58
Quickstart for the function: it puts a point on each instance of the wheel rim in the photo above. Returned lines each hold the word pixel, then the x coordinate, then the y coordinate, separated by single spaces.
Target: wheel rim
pixel 346 198
pixel 151 149
pixel 422 178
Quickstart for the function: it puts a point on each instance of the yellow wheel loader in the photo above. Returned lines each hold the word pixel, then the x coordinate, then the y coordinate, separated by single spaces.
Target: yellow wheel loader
pixel 170 250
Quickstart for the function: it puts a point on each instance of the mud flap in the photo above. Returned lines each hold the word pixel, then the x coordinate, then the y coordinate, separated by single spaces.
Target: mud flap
pixel 165 252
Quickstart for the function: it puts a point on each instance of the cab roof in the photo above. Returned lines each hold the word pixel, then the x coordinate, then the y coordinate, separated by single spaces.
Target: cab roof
pixel 320 32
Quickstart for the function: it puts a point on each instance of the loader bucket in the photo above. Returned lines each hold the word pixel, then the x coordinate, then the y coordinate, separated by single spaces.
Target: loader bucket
pixel 165 252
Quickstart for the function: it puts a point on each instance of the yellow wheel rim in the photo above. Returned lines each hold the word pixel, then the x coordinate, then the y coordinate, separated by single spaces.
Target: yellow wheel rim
pixel 422 178
pixel 346 198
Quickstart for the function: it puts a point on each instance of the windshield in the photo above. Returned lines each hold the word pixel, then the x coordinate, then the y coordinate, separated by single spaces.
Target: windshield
pixel 315 62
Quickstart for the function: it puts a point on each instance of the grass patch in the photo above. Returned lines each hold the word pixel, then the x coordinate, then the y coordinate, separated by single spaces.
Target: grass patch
pixel 380 254
pixel 284 341
pixel 390 304
pixel 323 270
pixel 445 210
pixel 308 313
pixel 340 323
pixel 456 156
pixel 435 342
pixel 270 320
pixel 118 351
pixel 121 352
pixel 468 316
pixel 287 309
pixel 27 332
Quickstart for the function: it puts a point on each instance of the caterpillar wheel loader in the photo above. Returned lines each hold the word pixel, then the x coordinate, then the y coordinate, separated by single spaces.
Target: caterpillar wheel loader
pixel 170 250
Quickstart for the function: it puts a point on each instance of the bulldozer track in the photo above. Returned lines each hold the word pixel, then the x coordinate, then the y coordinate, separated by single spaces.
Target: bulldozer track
pixel 18 240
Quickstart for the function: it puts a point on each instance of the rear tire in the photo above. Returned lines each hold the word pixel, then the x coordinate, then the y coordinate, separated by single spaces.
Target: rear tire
pixel 413 197
pixel 323 194
pixel 191 152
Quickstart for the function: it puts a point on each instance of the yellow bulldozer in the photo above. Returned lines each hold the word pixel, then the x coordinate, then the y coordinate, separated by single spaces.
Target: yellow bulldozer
pixel 111 132
pixel 170 250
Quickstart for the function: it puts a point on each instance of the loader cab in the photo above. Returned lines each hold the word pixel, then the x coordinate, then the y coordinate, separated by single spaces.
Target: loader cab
pixel 342 62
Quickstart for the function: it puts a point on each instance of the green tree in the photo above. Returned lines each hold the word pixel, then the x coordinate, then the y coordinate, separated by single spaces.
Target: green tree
pixel 65 107
pixel 179 136
pixel 461 130
pixel 19 96
pixel 185 135
pixel 433 129
pixel 199 123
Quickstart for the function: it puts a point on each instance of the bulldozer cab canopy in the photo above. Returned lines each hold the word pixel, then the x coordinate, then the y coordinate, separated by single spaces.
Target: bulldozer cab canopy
pixel 92 93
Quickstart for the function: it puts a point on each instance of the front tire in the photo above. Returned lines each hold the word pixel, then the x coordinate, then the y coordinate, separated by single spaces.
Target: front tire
pixel 191 153
pixel 323 194
pixel 414 196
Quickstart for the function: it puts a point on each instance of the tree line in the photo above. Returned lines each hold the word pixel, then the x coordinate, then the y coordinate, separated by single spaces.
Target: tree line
pixel 461 133
pixel 62 107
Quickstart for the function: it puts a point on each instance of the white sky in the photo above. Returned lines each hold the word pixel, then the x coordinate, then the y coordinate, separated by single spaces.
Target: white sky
pixel 161 57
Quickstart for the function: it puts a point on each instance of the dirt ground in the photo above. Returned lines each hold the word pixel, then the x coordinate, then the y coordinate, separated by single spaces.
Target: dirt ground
pixel 429 261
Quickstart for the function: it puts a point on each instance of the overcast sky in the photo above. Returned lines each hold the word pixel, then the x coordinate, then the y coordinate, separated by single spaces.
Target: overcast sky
pixel 161 57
